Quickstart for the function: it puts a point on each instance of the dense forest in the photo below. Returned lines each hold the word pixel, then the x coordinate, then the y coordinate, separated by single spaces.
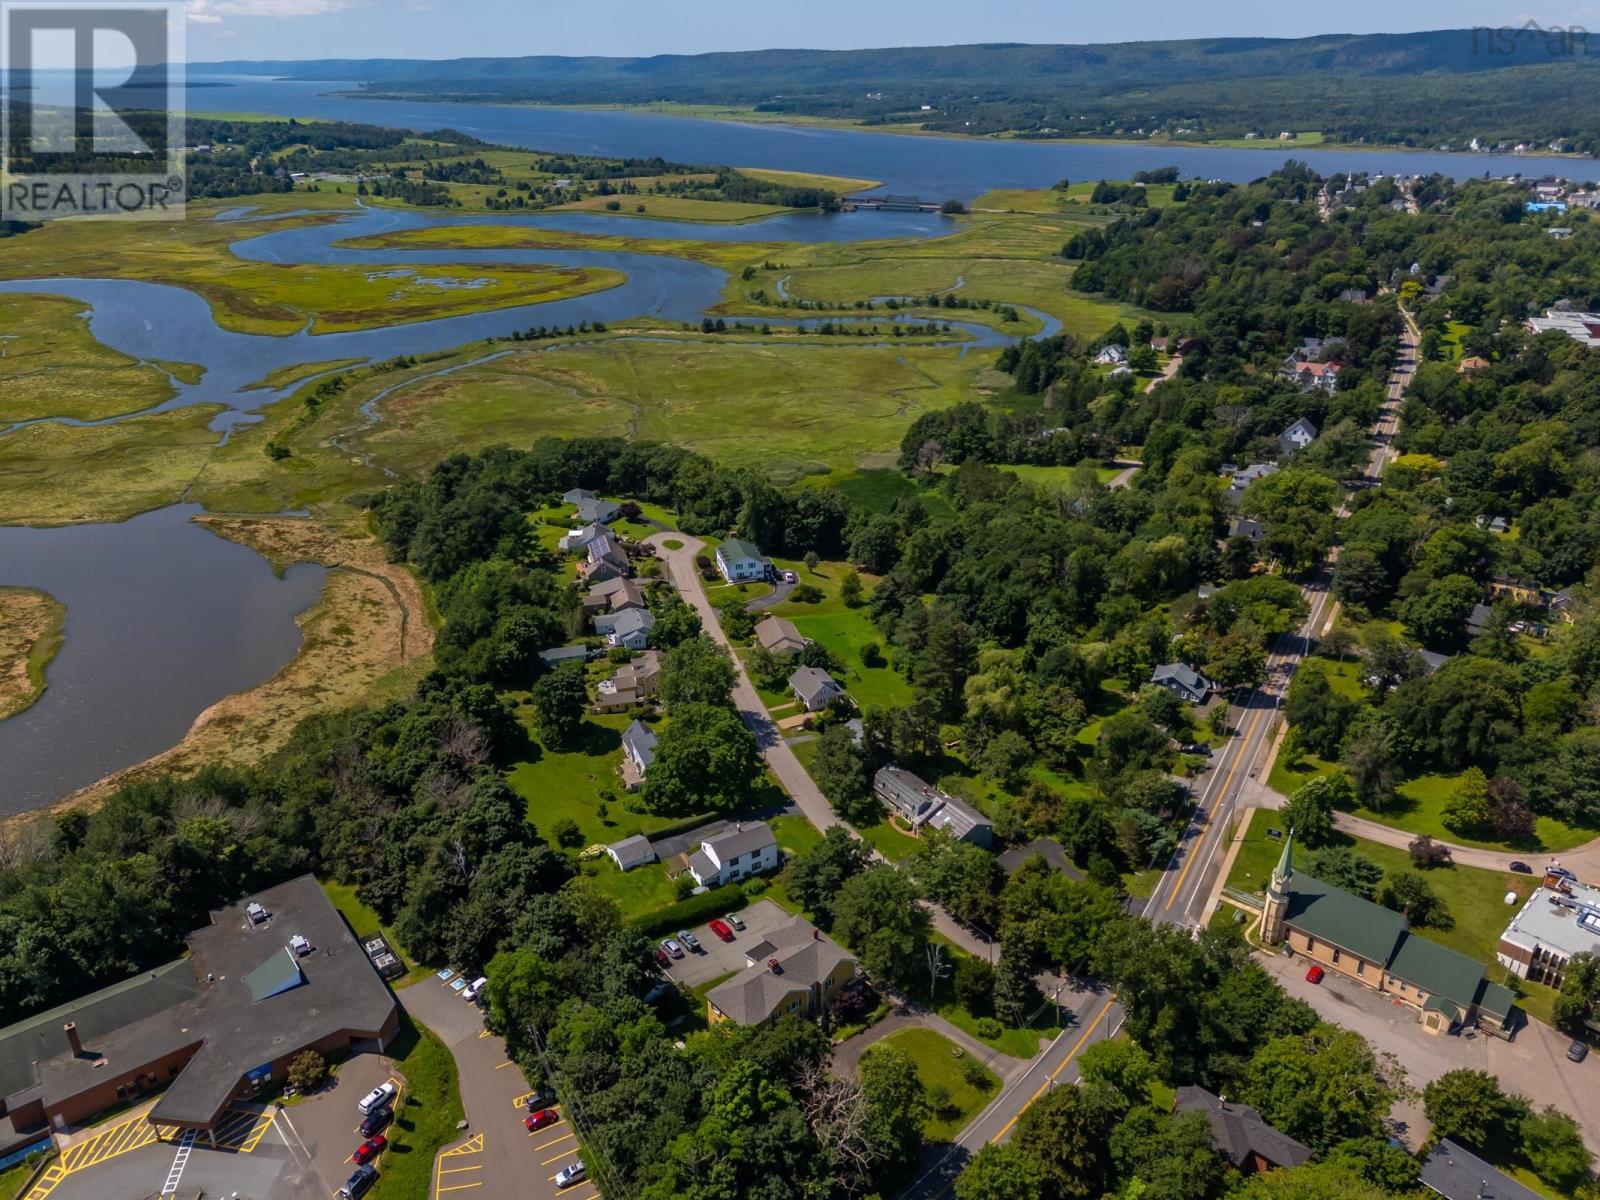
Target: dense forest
pixel 1515 84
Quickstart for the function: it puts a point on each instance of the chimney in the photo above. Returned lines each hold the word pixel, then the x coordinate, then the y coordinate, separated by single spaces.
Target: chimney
pixel 816 934
pixel 71 1030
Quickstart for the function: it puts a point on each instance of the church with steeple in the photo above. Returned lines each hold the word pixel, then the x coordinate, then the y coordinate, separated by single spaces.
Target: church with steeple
pixel 1350 936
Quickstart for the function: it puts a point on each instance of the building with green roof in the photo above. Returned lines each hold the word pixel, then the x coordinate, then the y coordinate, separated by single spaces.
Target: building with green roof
pixel 1373 945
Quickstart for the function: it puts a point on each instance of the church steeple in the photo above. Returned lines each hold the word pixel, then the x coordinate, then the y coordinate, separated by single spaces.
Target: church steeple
pixel 1276 909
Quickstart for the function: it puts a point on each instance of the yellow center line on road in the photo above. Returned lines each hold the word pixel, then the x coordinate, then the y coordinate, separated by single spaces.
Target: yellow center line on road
pixel 1045 1086
pixel 1238 758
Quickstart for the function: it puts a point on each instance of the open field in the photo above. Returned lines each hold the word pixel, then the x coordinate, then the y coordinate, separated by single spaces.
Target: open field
pixel 52 366
pixel 365 638
pixel 30 634
pixel 280 298
pixel 674 208
pixel 820 406
pixel 842 184
pixel 942 1065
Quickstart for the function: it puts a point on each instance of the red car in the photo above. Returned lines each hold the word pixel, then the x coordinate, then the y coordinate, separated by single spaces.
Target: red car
pixel 1314 975
pixel 369 1149
pixel 538 1120
pixel 663 957
pixel 721 930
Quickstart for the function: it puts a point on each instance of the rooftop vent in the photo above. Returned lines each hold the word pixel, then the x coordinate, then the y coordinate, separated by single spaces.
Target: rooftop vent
pixel 300 945
pixel 256 912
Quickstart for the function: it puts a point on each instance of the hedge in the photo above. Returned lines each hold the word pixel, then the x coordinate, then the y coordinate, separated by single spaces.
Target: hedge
pixel 686 914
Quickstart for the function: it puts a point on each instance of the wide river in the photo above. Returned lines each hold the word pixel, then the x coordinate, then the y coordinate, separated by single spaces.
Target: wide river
pixel 165 619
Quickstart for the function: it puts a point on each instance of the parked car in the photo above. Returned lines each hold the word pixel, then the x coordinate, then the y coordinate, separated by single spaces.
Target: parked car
pixel 377 1119
pixel 474 989
pixel 663 958
pixel 359 1183
pixel 538 1120
pixel 721 930
pixel 735 920
pixel 689 940
pixel 1521 868
pixel 1560 872
pixel 369 1149
pixel 543 1098
pixel 573 1172
pixel 378 1096
pixel 1578 1051
pixel 790 577
pixel 1314 975
pixel 672 948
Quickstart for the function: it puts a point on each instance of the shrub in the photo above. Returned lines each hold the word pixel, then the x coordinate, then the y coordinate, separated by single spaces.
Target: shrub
pixel 871 655
pixel 806 593
pixel 753 887
pixel 972 1071
pixel 566 833
pixel 307 1070
pixel 693 911
pixel 990 1028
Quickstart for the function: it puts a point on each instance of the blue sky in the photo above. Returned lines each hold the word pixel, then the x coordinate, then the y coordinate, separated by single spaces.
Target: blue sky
pixel 269 29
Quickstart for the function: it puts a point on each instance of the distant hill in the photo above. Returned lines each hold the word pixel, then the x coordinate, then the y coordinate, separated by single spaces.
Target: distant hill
pixel 1412 87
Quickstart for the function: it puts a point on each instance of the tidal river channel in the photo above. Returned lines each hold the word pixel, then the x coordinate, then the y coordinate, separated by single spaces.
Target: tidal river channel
pixel 164 618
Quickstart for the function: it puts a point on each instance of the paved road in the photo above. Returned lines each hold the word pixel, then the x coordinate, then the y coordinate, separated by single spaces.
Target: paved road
pixel 780 759
pixel 1193 876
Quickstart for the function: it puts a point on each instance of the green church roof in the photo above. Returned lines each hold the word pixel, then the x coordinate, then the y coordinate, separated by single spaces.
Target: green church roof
pixel 1334 915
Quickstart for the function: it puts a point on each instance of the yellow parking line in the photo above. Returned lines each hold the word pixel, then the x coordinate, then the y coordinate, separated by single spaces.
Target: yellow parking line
pixel 459 1187
pixel 471 1146
pixel 458 1170
pixel 522 1099
pixel 556 1158
pixel 565 1137
pixel 507 1063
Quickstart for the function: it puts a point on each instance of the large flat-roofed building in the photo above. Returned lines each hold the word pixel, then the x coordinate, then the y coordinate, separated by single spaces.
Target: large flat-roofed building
pixel 257 988
pixel 1560 919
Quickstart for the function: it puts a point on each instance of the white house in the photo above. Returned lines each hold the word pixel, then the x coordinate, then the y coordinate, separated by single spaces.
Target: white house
pixel 1297 437
pixel 638 752
pixel 1111 356
pixel 740 562
pixel 1183 680
pixel 747 849
pixel 632 852
pixel 814 688
pixel 1312 376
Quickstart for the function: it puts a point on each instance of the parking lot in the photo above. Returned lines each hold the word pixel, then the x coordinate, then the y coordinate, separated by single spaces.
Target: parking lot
pixel 495 1156
pixel 717 958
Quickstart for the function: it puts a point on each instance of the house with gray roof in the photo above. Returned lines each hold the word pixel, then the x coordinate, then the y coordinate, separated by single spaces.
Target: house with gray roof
pixel 634 682
pixel 814 688
pixel 749 848
pixel 780 637
pixel 631 852
pixel 556 655
pixel 604 559
pixel 1246 527
pixel 1456 1173
pixel 576 496
pixel 795 970
pixel 595 510
pixel 576 541
pixel 921 805
pixel 1240 1135
pixel 209 1029
pixel 1239 478
pixel 631 627
pixel 613 595
pixel 1183 681
pixel 739 561
pixel 638 752
pixel 1297 437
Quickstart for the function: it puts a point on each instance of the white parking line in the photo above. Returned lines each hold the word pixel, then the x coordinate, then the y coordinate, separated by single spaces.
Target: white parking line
pixel 185 1145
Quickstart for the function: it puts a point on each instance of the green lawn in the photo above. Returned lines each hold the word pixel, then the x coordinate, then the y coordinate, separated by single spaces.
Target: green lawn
pixel 1476 898
pixel 845 631
pixel 888 841
pixel 363 920
pixel 941 1063
pixel 1015 1041
pixel 426 1122
pixel 11 1180
pixel 569 783
pixel 1421 810
pixel 642 890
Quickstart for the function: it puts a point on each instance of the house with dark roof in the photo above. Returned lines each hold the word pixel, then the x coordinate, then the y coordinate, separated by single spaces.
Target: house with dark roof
pixel 1374 946
pixel 576 541
pixel 556 655
pixel 604 559
pixel 613 595
pixel 1246 527
pixel 576 496
pixel 1478 619
pixel 213 1027
pixel 593 510
pixel 794 970
pixel 921 805
pixel 1240 1135
pixel 1456 1173
pixel 814 688
pixel 749 848
pixel 1183 681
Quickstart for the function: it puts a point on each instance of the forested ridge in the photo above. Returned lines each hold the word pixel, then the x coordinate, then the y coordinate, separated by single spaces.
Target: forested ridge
pixel 1522 82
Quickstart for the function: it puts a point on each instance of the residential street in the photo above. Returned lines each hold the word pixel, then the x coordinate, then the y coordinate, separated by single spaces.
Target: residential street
pixel 1585 860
